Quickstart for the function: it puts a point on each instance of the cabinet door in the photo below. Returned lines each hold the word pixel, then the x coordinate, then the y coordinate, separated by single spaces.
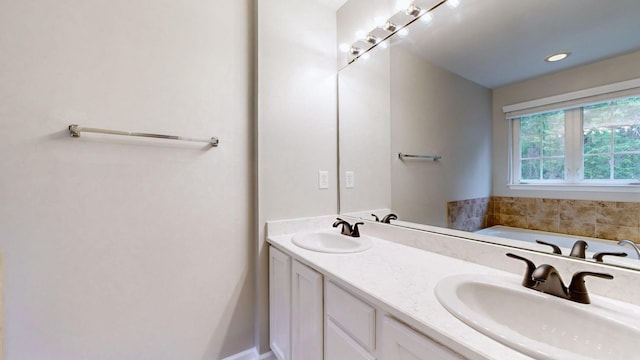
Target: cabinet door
pixel 399 342
pixel 307 314
pixel 279 303
pixel 339 345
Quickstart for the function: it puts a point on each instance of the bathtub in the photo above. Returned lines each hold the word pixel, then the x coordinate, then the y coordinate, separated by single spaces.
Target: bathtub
pixel 565 242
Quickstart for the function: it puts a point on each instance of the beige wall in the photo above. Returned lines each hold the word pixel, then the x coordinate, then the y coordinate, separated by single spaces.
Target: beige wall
pixel 126 248
pixel 297 123
pixel 435 112
pixel 597 74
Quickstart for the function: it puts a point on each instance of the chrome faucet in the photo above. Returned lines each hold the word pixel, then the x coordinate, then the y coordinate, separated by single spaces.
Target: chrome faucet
pixel 348 229
pixel 545 278
pixel 629 242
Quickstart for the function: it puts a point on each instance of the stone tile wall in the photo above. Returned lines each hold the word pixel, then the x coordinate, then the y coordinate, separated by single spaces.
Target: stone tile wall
pixel 600 219
pixel 468 215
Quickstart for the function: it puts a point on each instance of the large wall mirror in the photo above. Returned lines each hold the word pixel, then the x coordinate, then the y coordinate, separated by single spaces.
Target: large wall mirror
pixel 438 92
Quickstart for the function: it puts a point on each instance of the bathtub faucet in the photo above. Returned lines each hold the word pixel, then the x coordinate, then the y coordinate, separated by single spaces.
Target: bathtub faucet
pixel 629 242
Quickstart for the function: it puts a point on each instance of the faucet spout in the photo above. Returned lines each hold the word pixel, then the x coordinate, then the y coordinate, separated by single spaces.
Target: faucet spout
pixel 387 219
pixel 346 227
pixel 548 281
pixel 578 249
pixel 634 245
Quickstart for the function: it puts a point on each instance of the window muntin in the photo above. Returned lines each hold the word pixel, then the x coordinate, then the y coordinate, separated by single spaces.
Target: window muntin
pixel 607 136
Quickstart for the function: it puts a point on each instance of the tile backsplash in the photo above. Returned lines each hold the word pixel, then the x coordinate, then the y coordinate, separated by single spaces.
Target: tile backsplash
pixel 600 219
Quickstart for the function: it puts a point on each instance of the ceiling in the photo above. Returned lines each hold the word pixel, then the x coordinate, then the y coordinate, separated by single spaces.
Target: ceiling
pixel 498 42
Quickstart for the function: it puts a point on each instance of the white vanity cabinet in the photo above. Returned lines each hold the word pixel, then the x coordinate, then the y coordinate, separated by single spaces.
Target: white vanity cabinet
pixel 279 304
pixel 350 325
pixel 400 342
pixel 312 318
pixel 295 309
pixel 306 317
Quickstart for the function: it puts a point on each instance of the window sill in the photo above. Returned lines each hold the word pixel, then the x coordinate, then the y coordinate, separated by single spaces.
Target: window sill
pixel 629 188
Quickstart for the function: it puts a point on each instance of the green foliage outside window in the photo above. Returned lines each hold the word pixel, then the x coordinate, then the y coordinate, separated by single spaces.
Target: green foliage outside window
pixel 610 139
pixel 542 146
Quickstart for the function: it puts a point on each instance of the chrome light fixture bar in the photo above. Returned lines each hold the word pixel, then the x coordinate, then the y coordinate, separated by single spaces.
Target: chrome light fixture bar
pixel 393 25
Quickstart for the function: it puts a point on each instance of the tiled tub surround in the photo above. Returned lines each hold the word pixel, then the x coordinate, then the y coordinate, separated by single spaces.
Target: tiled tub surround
pixel 469 215
pixel 599 219
pixel 400 279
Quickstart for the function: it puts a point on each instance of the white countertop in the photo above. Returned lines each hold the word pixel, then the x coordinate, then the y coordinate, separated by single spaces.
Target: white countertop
pixel 401 280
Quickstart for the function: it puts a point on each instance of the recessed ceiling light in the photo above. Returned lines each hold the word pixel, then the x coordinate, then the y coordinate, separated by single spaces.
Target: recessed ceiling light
pixel 557 56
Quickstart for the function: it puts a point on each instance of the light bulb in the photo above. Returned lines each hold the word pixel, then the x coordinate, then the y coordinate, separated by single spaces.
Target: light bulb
pixel 344 47
pixel 413 10
pixel 389 26
pixel 380 21
pixel 557 56
pixel 426 18
pixel 372 39
pixel 402 4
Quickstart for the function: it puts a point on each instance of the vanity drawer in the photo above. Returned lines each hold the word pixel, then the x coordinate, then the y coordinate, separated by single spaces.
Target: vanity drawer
pixel 355 317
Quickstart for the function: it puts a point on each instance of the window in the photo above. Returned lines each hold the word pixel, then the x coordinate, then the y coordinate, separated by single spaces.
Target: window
pixel 593 144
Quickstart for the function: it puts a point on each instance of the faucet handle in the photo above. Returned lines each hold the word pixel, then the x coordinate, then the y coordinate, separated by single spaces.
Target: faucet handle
pixel 355 232
pixel 577 289
pixel 556 248
pixel 598 256
pixel 376 217
pixel 528 281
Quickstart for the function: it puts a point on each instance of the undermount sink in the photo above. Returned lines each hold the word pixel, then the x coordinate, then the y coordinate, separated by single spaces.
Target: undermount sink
pixel 331 242
pixel 541 325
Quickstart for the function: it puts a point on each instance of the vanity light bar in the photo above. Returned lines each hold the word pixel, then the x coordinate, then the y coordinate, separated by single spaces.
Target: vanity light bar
pixel 393 25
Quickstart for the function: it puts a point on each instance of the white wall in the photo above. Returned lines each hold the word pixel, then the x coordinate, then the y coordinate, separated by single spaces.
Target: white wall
pixel 297 123
pixel 125 248
pixel 435 112
pixel 364 113
pixel 588 76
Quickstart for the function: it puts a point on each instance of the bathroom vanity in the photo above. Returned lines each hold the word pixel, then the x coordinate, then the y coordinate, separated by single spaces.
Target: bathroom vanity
pixel 380 303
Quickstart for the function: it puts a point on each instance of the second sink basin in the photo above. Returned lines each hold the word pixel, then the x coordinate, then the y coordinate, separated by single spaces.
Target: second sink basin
pixel 331 242
pixel 541 325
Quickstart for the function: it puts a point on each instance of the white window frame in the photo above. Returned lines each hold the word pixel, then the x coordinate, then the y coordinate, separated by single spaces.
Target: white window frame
pixel 572 103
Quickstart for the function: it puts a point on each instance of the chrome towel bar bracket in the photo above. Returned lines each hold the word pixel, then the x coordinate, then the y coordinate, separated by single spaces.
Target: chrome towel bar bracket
pixel 75 130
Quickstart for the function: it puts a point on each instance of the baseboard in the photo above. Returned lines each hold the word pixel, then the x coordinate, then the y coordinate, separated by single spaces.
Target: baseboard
pixel 268 356
pixel 251 354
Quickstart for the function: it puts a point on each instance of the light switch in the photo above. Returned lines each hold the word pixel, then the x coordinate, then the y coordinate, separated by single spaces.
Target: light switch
pixel 323 179
pixel 349 180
